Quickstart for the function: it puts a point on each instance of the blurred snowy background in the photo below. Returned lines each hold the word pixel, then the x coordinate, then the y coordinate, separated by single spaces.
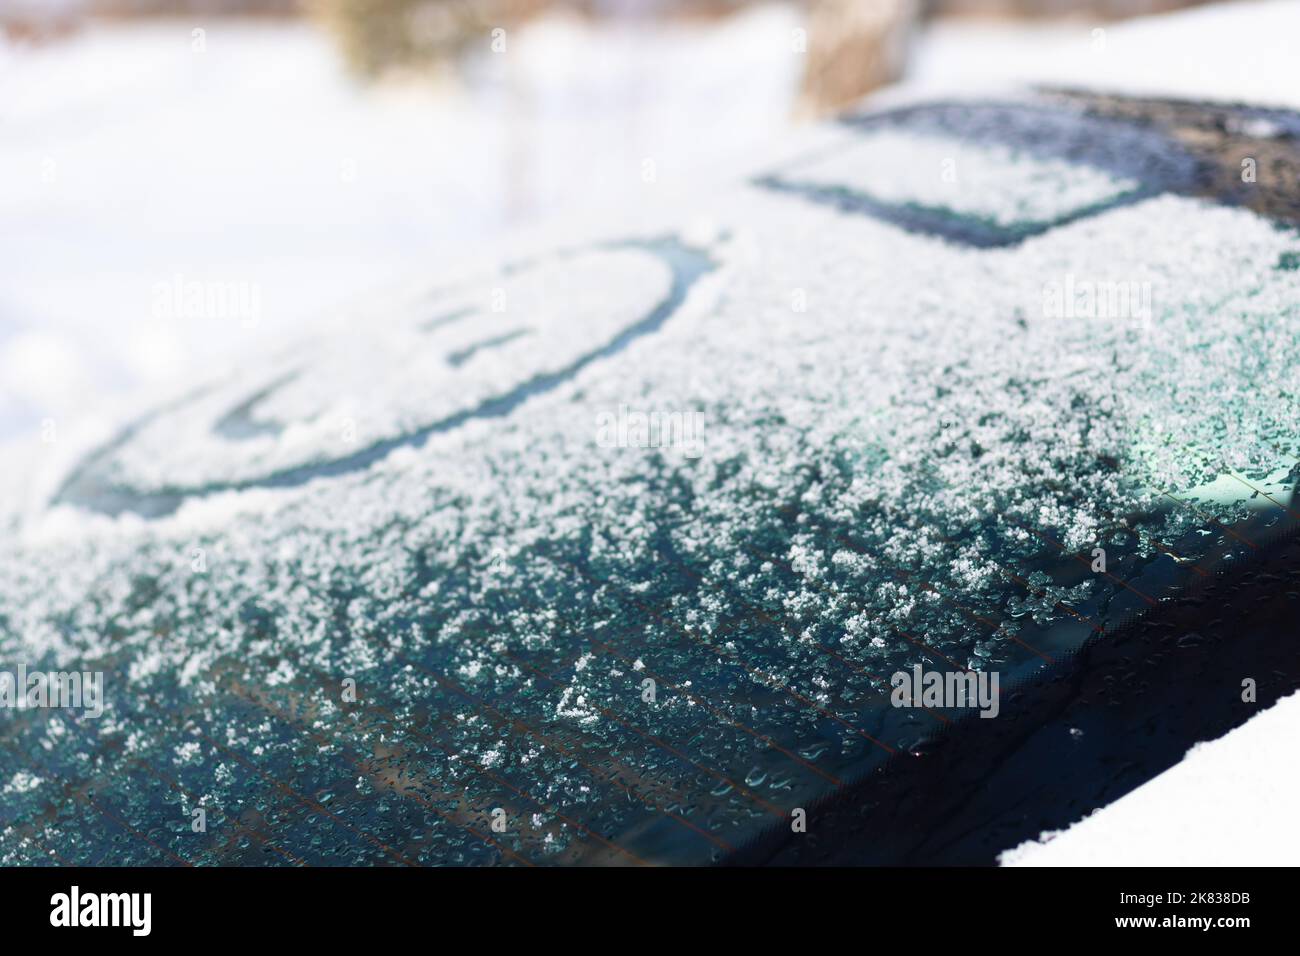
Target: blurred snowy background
pixel 301 155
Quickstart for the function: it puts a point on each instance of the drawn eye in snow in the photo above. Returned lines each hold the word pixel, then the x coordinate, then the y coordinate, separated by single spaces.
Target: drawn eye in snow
pixel 487 348
pixel 1028 167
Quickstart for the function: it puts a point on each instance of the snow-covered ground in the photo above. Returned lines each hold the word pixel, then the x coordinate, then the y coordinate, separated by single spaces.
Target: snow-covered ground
pixel 135 157
pixel 1242 52
pixel 1231 802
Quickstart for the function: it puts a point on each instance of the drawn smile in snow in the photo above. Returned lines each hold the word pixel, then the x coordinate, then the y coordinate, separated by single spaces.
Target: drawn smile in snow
pixel 367 390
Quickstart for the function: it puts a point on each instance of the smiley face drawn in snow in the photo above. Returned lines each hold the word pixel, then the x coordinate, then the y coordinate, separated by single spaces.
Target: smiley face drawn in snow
pixel 370 388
